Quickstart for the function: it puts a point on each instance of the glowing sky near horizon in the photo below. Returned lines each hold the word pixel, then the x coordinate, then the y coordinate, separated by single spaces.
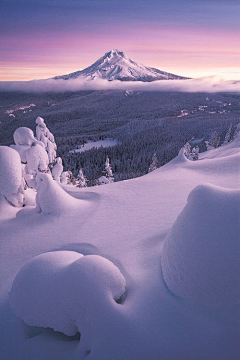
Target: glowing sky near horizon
pixel 44 38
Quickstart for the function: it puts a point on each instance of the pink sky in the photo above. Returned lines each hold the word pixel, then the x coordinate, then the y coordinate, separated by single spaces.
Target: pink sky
pixel 181 48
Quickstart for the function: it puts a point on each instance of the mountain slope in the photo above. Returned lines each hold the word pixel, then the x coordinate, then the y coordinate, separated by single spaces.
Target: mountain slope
pixel 115 65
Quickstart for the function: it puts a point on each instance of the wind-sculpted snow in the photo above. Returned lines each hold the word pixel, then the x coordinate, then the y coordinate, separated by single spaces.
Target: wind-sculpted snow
pixel 68 292
pixel 52 199
pixel 200 258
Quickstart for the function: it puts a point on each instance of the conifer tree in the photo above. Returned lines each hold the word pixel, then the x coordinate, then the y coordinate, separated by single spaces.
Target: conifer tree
pixel 47 138
pixel 214 141
pixel 236 132
pixel 228 136
pixel 71 178
pixel 187 150
pixel 108 171
pixel 154 163
pixel 81 179
pixel 194 153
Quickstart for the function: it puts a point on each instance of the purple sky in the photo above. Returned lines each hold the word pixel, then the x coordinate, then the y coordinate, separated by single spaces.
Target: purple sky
pixel 41 38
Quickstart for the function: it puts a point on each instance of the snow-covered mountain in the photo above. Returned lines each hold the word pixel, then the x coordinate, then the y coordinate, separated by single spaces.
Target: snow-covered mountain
pixel 115 65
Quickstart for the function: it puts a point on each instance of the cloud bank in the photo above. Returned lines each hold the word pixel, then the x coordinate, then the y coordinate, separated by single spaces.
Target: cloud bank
pixel 209 85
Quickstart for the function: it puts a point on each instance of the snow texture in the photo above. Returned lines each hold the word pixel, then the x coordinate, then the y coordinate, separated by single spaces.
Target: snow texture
pixel 200 258
pixel 68 292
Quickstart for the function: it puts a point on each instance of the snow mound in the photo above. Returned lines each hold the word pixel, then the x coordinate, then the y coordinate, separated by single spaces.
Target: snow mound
pixel 23 136
pixel 67 291
pixel 52 199
pixel 200 258
pixel 11 179
pixel 103 180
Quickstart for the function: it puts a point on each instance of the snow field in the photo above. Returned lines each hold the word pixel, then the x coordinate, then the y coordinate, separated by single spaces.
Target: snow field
pixel 95 144
pixel 133 224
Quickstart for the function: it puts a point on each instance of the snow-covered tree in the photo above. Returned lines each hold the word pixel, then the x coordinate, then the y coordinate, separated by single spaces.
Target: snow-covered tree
pixel 37 159
pixel 64 178
pixel 71 179
pixel 11 177
pixel 108 171
pixel 187 150
pixel 237 132
pixel 81 179
pixel 37 154
pixel 23 136
pixel 194 153
pixel 95 182
pixel 154 163
pixel 47 138
pixel 228 136
pixel 57 169
pixel 32 152
pixel 213 142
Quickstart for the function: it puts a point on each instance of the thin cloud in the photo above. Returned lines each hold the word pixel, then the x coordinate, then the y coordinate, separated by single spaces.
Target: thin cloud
pixel 209 85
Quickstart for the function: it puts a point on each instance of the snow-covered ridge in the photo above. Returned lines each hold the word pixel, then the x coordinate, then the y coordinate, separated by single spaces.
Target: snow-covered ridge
pixel 116 65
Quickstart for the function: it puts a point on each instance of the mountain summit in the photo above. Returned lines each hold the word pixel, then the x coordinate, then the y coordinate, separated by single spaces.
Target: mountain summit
pixel 115 65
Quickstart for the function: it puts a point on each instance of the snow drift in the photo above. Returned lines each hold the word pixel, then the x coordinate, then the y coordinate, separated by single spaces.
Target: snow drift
pixel 68 292
pixel 52 199
pixel 200 258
